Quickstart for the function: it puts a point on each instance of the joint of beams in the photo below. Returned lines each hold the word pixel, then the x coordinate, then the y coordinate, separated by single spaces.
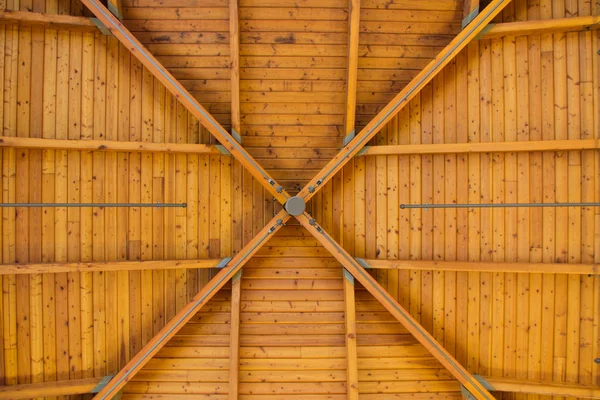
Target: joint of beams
pixel 363 151
pixel 236 136
pixel 223 263
pixel 485 30
pixel 103 382
pixel 466 394
pixel 593 26
pixel 222 149
pixel 295 206
pixel 101 27
pixel 467 20
pixel 237 276
pixel 484 383
pixel 274 227
pixel 348 138
pixel 363 263
pixel 348 276
pixel 115 11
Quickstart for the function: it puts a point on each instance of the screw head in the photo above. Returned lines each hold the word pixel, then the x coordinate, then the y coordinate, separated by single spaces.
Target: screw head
pixel 597 360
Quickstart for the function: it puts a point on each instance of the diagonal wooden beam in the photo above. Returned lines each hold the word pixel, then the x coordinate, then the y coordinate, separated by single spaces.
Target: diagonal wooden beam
pixel 161 73
pixel 403 98
pixel 437 350
pixel 352 71
pixel 190 309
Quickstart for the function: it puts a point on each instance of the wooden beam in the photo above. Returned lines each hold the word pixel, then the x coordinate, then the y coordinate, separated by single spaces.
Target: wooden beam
pixel 542 26
pixel 352 71
pixel 452 148
pixel 116 8
pixel 413 327
pixel 234 344
pixel 44 268
pixel 468 266
pixel 190 309
pixel 107 145
pixel 186 99
pixel 543 388
pixel 351 352
pixel 470 11
pixel 48 389
pixel 49 21
pixel 234 54
pixel 403 98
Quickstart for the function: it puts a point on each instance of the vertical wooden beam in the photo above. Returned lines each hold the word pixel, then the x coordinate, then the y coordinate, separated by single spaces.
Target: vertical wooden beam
pixel 351 353
pixel 470 11
pixel 115 7
pixel 234 65
pixel 352 71
pixel 234 346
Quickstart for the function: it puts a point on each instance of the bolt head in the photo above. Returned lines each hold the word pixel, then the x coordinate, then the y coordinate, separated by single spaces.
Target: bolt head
pixel 295 206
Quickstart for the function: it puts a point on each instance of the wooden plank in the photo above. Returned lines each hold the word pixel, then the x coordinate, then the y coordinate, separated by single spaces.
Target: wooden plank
pixel 490 147
pixel 352 69
pixel 234 65
pixel 403 98
pixel 96 266
pixel 234 345
pixel 46 389
pixel 413 327
pixel 48 21
pixel 190 309
pixel 107 145
pixel 479 266
pixel 537 27
pixel 544 388
pixel 350 334
pixel 186 99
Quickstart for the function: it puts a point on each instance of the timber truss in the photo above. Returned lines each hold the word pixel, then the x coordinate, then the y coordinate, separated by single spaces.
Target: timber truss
pixel 293 205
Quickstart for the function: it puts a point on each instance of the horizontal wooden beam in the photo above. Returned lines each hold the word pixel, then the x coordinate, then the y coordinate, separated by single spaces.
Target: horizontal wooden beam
pixel 42 268
pixel 537 27
pixel 577 269
pixel 543 388
pixel 107 145
pixel 49 389
pixel 490 147
pixel 50 21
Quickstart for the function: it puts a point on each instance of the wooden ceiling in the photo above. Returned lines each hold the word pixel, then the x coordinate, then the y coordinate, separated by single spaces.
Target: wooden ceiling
pixel 359 108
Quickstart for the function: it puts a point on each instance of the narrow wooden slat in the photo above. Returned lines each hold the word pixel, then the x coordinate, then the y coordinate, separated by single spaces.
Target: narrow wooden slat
pixel 49 21
pixel 403 98
pixel 352 70
pixel 46 389
pixel 478 266
pixel 537 27
pixel 491 147
pixel 413 327
pixel 188 311
pixel 185 98
pixel 59 267
pixel 107 145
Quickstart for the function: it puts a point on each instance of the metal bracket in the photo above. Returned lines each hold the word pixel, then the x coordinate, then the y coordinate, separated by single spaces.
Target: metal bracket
pixel 237 276
pixel 484 383
pixel 348 138
pixel 236 136
pixel 115 11
pixel 348 275
pixel 222 149
pixel 223 263
pixel 103 382
pixel 467 20
pixel 277 223
pixel 101 27
pixel 362 263
pixel 363 151
pixel 484 31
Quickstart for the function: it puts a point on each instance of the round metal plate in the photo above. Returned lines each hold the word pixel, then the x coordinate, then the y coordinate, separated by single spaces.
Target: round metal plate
pixel 295 205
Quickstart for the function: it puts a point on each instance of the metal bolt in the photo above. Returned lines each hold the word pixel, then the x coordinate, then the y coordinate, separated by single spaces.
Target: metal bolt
pixel 597 360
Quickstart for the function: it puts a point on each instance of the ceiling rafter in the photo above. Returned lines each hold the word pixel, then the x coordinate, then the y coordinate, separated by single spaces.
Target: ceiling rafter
pixel 403 98
pixel 189 310
pixel 413 327
pixel 352 69
pixel 185 98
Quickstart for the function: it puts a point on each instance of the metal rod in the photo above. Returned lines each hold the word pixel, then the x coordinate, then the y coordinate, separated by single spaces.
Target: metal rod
pixel 499 205
pixel 102 205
